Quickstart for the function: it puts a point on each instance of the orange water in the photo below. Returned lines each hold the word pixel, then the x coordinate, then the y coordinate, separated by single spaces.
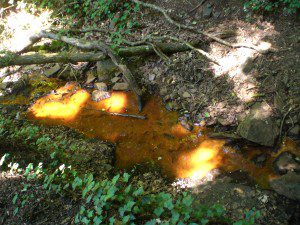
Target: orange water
pixel 159 138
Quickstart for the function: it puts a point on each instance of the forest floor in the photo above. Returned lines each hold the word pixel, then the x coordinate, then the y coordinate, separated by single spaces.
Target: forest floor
pixel 218 96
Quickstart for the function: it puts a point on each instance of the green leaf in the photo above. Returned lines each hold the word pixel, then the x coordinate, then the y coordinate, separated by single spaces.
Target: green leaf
pixel 15 199
pixel 158 211
pixel 125 219
pixel 97 220
pixel 187 201
pixel 169 204
pixel 126 177
pixel 129 205
pixel 151 222
pixel 85 220
pixel 112 220
pixel 115 179
pixel 16 211
pixel 175 217
pixel 138 192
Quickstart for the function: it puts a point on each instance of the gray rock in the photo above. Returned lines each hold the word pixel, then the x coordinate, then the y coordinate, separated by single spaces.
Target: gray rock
pixel 185 123
pixel 152 77
pixel 115 79
pixel 217 14
pixel 258 126
pixel 52 71
pixel 295 131
pixel 260 160
pixel 207 11
pixel 90 77
pixel 3 85
pixel 186 95
pixel 120 87
pixel 285 163
pixel 100 86
pixel 99 95
pixel 106 69
pixel 287 185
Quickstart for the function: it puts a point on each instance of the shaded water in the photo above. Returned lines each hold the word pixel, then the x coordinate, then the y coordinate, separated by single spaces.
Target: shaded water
pixel 159 138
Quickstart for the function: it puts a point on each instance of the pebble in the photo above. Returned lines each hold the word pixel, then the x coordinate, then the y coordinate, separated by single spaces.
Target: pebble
pixel 100 86
pixel 186 95
pixel 120 87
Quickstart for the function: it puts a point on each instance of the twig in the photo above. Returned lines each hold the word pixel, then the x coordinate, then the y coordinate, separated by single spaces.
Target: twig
pixel 119 114
pixel 283 119
pixel 198 6
pixel 192 28
pixel 159 52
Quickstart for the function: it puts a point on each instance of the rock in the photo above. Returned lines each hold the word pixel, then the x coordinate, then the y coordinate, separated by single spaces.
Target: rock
pixel 115 79
pixel 120 87
pixel 224 135
pixel 185 123
pixel 287 185
pixel 226 121
pixel 285 163
pixel 100 86
pixel 295 131
pixel 90 77
pixel 3 85
pixel 106 69
pixel 152 77
pixel 260 160
pixel 163 91
pixel 186 95
pixel 258 126
pixel 217 14
pixel 207 11
pixel 52 71
pixel 99 95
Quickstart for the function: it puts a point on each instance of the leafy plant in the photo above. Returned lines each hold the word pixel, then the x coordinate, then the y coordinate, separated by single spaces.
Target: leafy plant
pixel 288 6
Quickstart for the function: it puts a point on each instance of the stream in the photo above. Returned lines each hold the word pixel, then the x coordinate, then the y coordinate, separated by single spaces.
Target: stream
pixel 159 138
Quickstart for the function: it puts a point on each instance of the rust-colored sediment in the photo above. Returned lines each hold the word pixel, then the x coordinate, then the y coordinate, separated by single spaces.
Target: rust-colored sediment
pixel 159 138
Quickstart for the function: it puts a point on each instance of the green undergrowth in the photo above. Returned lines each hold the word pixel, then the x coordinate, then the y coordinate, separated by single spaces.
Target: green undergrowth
pixel 111 200
pixel 287 6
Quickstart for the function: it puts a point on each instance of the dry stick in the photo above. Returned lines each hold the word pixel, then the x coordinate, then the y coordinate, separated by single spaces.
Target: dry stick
pixel 193 29
pixel 200 51
pixel 159 52
pixel 119 114
pixel 198 6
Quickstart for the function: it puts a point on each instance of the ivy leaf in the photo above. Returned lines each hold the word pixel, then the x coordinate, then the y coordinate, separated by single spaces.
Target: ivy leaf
pixel 138 192
pixel 126 177
pixel 125 219
pixel 151 222
pixel 115 179
pixel 97 220
pixel 175 217
pixel 15 199
pixel 158 211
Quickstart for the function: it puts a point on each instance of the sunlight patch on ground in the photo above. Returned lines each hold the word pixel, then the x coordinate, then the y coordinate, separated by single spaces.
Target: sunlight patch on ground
pixel 20 25
pixel 234 61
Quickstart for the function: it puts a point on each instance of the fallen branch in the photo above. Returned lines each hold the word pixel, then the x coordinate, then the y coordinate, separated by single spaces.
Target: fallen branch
pixel 119 114
pixel 37 58
pixel 192 28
